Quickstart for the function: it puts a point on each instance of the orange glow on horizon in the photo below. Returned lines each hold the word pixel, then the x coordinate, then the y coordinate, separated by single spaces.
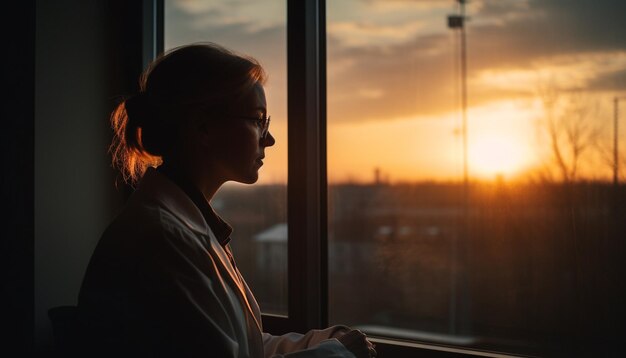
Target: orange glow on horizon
pixel 492 156
pixel 393 102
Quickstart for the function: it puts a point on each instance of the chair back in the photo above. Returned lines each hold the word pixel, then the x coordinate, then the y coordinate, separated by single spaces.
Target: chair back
pixel 65 328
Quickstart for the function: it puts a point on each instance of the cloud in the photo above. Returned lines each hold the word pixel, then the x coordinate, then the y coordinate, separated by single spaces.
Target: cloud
pixel 568 71
pixel 230 24
pixel 253 16
pixel 365 34
pixel 510 45
pixel 410 78
pixel 390 59
pixel 500 12
pixel 551 28
pixel 614 81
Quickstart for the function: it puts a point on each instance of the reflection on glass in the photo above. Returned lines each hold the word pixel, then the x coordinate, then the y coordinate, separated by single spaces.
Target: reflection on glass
pixel 526 256
pixel 258 213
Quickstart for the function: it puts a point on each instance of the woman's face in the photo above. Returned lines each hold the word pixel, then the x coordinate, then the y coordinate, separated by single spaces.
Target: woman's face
pixel 238 148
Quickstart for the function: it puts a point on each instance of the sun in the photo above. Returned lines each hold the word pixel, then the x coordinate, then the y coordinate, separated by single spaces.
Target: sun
pixel 491 156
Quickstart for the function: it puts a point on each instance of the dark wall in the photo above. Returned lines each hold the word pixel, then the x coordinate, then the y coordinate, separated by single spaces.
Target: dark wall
pixel 17 136
pixel 88 57
pixel 65 65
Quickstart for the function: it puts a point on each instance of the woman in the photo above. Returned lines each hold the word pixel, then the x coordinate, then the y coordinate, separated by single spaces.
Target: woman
pixel 162 280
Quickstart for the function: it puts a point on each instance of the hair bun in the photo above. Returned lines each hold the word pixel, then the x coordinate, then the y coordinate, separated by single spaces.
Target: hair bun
pixel 138 109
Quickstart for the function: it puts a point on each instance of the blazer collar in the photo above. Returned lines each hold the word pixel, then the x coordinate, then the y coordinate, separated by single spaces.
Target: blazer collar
pixel 219 227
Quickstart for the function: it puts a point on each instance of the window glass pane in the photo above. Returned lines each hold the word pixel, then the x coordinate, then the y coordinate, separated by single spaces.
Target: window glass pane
pixel 525 255
pixel 258 213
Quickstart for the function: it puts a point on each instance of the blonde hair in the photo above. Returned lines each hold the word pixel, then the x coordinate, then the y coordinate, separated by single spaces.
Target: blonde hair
pixel 201 76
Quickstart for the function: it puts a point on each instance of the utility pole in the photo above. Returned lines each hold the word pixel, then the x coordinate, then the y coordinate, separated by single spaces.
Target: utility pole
pixel 458 22
pixel 458 282
pixel 615 140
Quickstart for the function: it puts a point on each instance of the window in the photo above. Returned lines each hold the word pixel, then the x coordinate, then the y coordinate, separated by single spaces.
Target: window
pixel 455 169
pixel 518 257
pixel 257 213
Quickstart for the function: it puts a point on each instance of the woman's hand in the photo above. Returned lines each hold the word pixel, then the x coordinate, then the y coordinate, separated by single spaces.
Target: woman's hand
pixel 356 342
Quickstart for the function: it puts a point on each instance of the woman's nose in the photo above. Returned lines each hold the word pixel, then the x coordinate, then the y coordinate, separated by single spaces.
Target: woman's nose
pixel 269 140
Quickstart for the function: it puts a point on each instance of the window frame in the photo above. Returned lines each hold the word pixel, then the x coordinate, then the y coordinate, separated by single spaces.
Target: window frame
pixel 307 185
pixel 307 272
pixel 152 27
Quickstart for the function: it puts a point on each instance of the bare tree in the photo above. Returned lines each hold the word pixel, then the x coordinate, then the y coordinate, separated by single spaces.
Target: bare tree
pixel 571 127
pixel 606 155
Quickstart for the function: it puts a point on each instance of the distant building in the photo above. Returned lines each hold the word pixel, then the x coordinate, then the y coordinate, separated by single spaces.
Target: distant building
pixel 272 248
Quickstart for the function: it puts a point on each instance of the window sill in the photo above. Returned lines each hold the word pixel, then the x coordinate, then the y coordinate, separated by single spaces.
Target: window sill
pixel 396 348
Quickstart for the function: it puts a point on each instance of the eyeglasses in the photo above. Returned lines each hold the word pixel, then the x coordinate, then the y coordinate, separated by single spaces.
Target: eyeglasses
pixel 263 123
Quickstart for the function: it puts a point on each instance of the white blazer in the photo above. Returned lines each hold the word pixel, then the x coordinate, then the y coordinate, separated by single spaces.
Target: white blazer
pixel 160 284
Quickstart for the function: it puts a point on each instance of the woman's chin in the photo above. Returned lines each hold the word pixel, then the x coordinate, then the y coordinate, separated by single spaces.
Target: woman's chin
pixel 248 179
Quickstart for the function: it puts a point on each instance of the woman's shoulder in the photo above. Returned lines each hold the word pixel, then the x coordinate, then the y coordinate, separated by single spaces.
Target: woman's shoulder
pixel 136 243
pixel 147 229
pixel 144 224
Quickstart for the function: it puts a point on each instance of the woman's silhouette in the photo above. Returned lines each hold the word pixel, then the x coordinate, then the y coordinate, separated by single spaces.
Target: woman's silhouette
pixel 162 280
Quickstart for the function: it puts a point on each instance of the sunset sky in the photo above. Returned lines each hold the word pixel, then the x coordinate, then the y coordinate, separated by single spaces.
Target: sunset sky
pixel 393 82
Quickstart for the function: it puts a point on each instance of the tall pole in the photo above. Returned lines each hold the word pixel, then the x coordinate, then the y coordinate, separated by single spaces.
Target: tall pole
pixel 462 301
pixel 615 140
pixel 457 283
pixel 464 97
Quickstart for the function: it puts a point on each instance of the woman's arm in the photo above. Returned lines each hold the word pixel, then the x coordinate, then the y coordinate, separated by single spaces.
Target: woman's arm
pixel 295 341
pixel 340 341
